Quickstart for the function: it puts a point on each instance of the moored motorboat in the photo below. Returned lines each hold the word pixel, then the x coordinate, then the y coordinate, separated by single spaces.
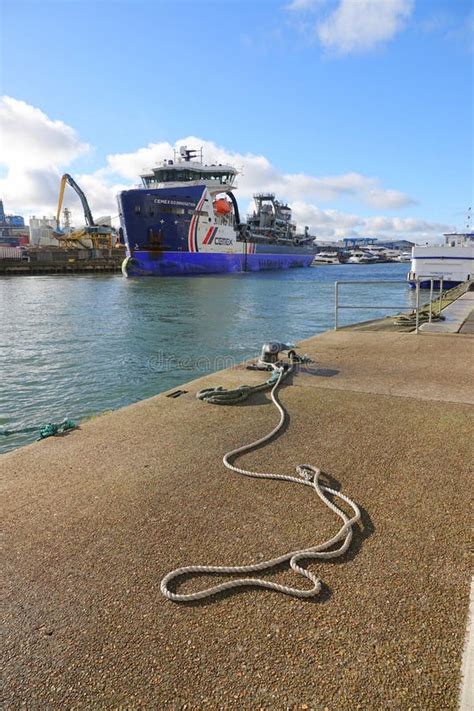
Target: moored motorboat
pixel 403 257
pixel 325 258
pixel 360 257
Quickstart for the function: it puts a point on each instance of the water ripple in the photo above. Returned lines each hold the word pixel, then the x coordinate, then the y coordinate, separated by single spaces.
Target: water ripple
pixel 76 346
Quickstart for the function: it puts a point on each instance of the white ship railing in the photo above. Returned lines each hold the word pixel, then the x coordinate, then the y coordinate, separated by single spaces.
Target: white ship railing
pixel 383 307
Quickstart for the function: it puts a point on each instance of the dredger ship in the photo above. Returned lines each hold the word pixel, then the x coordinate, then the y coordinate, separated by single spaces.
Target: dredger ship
pixel 184 219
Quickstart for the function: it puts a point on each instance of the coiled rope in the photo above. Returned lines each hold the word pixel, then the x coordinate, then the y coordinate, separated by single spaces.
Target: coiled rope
pixel 410 319
pixel 222 396
pixel 307 476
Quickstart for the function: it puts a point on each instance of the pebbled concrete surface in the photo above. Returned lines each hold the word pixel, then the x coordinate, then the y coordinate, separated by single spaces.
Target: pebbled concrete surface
pixel 95 518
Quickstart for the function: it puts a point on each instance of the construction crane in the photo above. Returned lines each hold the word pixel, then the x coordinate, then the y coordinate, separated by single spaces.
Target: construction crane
pixel 101 236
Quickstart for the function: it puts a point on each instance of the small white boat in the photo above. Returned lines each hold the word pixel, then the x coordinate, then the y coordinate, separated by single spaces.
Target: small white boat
pixel 404 257
pixel 326 258
pixel 359 257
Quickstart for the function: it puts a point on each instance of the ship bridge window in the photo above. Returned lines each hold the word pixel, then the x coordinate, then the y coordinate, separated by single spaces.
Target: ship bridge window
pixel 178 176
pixel 185 175
pixel 172 210
pixel 221 178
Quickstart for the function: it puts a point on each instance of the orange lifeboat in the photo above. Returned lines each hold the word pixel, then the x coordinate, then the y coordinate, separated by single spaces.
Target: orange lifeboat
pixel 222 207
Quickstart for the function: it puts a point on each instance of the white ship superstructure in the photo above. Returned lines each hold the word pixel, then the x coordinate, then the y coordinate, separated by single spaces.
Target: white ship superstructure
pixel 453 262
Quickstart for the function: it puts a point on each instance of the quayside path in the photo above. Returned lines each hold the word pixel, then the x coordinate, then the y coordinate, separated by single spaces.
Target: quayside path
pixel 94 519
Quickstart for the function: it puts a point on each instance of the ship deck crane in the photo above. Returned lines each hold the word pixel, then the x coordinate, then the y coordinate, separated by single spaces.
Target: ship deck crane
pixel 101 236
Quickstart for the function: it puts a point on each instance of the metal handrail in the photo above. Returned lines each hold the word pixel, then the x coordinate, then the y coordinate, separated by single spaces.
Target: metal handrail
pixel 432 280
pixel 338 306
pixel 423 277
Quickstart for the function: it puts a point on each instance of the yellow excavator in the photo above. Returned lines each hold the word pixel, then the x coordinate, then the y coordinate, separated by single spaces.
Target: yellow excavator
pixel 100 236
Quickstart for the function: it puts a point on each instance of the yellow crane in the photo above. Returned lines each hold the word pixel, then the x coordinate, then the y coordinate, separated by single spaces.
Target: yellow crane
pixel 101 236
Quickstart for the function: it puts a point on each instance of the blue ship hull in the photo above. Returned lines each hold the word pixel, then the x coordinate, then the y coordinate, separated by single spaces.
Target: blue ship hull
pixel 187 263
pixel 173 231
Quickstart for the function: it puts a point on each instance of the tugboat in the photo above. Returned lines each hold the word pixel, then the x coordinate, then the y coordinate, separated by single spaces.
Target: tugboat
pixel 184 219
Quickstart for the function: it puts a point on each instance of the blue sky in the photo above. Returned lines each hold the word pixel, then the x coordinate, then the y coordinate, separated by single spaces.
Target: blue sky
pixel 362 109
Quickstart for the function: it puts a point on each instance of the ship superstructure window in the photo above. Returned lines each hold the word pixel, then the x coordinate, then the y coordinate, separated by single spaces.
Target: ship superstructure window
pixel 171 210
pixel 186 175
pixel 221 178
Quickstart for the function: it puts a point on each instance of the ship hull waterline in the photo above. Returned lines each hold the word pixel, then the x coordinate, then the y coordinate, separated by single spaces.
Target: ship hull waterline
pixel 144 263
pixel 447 284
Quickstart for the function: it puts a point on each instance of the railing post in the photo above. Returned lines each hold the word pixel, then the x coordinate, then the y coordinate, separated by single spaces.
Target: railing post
pixel 336 304
pixel 417 304
pixel 431 299
pixel 440 294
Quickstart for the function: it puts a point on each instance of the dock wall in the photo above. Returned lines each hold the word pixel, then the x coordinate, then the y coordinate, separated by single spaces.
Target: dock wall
pixel 63 261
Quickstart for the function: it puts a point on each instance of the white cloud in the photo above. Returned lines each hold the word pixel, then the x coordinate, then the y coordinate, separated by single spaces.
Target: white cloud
pixel 333 224
pixel 257 171
pixel 30 138
pixel 34 150
pixel 101 195
pixel 388 199
pixel 361 25
pixel 37 150
pixel 130 165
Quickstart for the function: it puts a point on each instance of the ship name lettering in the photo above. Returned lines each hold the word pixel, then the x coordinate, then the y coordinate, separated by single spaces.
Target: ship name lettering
pixel 162 201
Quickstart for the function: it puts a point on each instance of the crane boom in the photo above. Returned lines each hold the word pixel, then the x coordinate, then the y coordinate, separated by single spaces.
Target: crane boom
pixel 99 236
pixel 85 205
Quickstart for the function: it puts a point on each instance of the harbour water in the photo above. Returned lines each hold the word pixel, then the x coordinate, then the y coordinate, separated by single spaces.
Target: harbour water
pixel 77 346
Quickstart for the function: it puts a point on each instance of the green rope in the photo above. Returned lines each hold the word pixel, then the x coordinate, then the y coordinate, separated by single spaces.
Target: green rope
pixel 48 430
pixel 53 428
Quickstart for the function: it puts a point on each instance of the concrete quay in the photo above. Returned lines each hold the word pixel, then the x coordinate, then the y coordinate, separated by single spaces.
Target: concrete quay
pixel 94 519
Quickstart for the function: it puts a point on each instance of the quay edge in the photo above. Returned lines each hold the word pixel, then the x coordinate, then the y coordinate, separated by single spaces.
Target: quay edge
pixel 63 261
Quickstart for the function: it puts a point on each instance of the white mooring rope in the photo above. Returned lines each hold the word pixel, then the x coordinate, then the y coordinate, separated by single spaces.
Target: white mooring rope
pixel 308 476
